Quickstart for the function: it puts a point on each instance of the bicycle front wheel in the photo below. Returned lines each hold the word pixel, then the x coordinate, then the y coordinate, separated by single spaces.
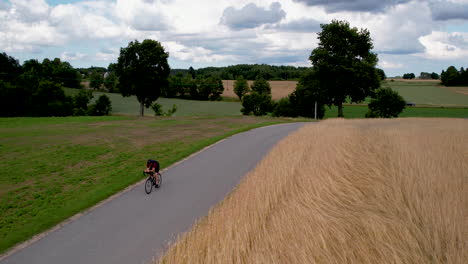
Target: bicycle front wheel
pixel 148 185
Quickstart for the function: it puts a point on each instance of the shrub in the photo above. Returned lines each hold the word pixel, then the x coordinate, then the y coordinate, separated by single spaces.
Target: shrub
pixel 82 99
pixel 285 108
pixel 101 107
pixel 258 104
pixel 386 103
pixel 158 110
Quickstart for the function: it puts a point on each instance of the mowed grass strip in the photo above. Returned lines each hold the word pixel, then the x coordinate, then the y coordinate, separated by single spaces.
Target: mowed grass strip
pixel 345 191
pixel 359 111
pixel 53 168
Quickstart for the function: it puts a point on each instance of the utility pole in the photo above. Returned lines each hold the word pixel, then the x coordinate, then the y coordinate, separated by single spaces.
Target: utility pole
pixel 315 112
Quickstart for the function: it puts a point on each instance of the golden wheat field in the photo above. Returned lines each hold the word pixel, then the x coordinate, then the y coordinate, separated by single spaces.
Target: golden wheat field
pixel 279 89
pixel 345 191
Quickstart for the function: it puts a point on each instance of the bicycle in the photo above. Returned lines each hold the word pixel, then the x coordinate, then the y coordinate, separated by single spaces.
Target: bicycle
pixel 152 180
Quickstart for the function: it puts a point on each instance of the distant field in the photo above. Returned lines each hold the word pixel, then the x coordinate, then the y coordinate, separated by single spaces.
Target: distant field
pixel 52 168
pixel 429 92
pixel 130 106
pixel 345 191
pixel 421 92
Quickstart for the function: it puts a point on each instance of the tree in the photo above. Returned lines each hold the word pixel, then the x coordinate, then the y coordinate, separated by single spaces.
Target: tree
pixel 409 76
pixel 192 72
pixel 424 75
pixel 102 106
pixel 386 103
pixel 435 76
pixel 80 102
pixel 110 82
pixel 210 88
pixel 261 86
pixel 381 74
pixel 308 91
pixel 50 100
pixel 9 67
pixel 256 103
pixel 241 87
pixel 450 76
pixel 143 70
pixel 96 80
pixel 344 64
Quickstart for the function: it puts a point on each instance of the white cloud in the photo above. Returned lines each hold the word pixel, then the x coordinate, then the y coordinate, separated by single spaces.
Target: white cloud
pixel 398 31
pixel 142 14
pixel 390 65
pixel 195 54
pixel 29 10
pixel 72 56
pixel 273 31
pixel 251 16
pixel 445 46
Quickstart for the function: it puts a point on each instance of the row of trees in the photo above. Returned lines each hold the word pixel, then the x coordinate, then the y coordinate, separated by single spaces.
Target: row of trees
pixel 422 75
pixel 454 77
pixel 199 88
pixel 36 89
pixel 248 71
pixel 343 70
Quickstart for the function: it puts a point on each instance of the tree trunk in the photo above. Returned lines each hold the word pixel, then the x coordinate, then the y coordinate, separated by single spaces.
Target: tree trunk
pixel 340 109
pixel 142 109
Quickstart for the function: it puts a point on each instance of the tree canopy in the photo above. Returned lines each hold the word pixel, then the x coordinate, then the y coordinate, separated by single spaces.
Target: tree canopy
pixel 248 71
pixel 386 103
pixel 241 87
pixel 344 64
pixel 454 77
pixel 143 70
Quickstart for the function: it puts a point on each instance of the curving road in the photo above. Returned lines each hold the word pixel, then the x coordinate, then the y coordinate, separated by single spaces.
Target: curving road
pixel 135 226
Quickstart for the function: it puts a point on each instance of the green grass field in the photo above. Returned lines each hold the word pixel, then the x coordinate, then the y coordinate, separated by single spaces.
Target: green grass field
pixel 130 106
pixel 359 111
pixel 427 93
pixel 52 168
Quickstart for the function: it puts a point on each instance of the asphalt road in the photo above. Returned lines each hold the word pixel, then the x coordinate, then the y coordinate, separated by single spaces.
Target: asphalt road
pixel 134 227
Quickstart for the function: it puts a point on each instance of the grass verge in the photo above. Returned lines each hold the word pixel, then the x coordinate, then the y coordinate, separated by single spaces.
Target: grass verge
pixel 53 168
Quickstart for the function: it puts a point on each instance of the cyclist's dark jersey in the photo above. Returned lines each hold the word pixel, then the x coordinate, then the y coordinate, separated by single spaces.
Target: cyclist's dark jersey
pixel 152 164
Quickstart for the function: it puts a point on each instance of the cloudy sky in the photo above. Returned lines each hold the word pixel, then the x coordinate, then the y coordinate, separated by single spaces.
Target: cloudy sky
pixel 408 35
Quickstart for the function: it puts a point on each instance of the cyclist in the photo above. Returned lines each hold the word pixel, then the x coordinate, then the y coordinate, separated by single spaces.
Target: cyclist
pixel 152 166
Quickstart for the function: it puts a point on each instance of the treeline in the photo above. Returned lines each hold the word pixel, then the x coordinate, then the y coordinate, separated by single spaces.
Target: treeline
pixel 198 88
pixel 422 76
pixel 454 77
pixel 248 71
pixel 36 89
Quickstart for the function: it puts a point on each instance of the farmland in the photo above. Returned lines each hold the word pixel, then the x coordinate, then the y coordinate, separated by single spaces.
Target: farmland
pixel 53 168
pixel 345 191
pixel 421 92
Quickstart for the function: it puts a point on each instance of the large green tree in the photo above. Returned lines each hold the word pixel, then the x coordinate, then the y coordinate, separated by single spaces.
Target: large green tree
pixel 241 87
pixel 344 64
pixel 143 70
pixel 96 80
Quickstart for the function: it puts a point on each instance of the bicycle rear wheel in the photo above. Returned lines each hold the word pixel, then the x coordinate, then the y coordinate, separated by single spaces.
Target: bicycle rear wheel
pixel 148 185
